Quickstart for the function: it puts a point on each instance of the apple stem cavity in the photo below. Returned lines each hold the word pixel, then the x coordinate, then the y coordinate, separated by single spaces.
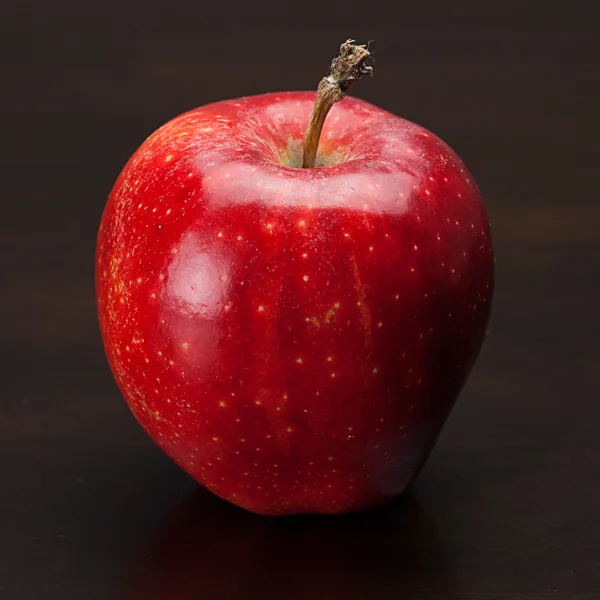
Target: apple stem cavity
pixel 346 69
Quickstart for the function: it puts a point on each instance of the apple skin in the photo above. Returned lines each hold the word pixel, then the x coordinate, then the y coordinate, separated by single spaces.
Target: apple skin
pixel 293 338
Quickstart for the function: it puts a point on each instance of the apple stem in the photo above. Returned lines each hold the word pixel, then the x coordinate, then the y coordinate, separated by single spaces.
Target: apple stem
pixel 347 68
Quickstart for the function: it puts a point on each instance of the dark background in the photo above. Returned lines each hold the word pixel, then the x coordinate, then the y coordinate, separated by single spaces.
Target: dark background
pixel 509 504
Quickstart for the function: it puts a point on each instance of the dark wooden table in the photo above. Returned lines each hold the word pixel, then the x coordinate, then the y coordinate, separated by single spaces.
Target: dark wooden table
pixel 509 504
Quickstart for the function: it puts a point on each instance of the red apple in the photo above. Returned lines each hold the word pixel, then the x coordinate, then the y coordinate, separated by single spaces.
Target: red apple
pixel 294 338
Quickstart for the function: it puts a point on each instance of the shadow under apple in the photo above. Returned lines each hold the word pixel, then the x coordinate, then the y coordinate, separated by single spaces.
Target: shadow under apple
pixel 210 549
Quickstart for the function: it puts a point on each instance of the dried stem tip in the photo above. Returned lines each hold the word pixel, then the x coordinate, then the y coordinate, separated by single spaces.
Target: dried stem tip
pixel 347 68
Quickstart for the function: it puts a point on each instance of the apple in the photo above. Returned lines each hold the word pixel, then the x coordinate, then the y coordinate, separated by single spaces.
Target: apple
pixel 294 338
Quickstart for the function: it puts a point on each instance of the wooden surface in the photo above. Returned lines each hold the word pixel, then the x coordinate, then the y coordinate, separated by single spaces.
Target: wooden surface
pixel 509 504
